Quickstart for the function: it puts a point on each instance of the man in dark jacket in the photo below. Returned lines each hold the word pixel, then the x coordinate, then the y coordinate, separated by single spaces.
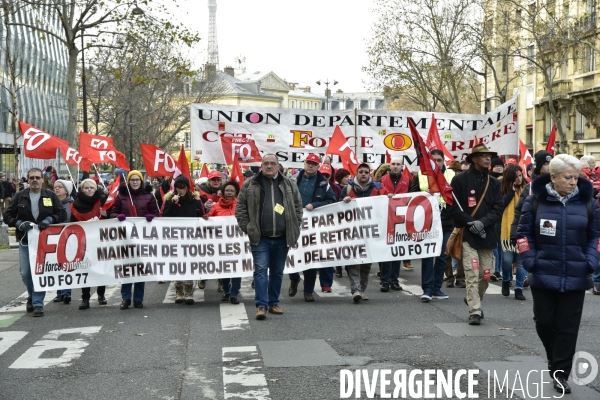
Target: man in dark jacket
pixel 480 235
pixel 315 192
pixel 29 207
pixel 269 211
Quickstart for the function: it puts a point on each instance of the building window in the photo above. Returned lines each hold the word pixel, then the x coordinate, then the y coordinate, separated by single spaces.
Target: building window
pixel 293 104
pixel 529 97
pixel 300 104
pixel 530 55
pixel 504 62
pixel 517 61
pixel 589 61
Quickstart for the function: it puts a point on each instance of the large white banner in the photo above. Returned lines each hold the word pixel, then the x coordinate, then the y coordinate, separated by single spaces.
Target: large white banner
pixel 110 252
pixel 292 134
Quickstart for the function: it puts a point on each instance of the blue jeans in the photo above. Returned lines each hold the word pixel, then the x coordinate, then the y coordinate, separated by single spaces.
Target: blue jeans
pixel 64 292
pixel 269 262
pixel 138 291
pixel 389 271
pixel 37 297
pixel 231 286
pixel 497 252
pixel 433 268
pixel 310 278
pixel 597 274
pixel 507 259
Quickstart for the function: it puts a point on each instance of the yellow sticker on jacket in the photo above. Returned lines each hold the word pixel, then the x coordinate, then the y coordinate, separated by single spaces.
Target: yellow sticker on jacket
pixel 278 208
pixel 47 202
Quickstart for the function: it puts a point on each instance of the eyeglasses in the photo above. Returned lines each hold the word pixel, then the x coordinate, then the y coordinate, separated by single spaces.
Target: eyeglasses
pixel 230 191
pixel 35 178
pixel 364 172
pixel 135 180
pixel 269 164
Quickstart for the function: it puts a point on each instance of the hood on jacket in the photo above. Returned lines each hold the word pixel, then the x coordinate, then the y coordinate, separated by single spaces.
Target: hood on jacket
pixel 383 168
pixel 319 181
pixel 538 188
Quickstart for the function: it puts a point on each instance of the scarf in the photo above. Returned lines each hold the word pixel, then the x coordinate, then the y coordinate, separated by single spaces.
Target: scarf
pixel 361 189
pixel 86 216
pixel 507 218
pixel 228 204
pixel 554 193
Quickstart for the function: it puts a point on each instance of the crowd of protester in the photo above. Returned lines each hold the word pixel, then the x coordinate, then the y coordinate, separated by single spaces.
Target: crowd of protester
pixel 539 227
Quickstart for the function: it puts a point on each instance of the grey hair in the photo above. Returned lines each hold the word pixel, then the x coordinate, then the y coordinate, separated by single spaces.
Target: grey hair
pixel 561 162
pixel 587 158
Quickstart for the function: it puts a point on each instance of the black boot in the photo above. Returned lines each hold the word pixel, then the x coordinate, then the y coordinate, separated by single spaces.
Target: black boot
pixel 505 288
pixel 519 294
pixel 338 272
pixel 85 304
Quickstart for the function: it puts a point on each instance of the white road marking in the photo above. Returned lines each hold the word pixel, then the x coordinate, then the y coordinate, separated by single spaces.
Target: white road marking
pixel 234 316
pixel 19 303
pixel 170 295
pixel 243 373
pixel 8 339
pixel 72 349
pixel 246 290
pixel 337 290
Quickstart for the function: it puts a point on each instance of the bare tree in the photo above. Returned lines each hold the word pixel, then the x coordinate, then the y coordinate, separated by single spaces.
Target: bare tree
pixel 140 91
pixel 93 21
pixel 422 49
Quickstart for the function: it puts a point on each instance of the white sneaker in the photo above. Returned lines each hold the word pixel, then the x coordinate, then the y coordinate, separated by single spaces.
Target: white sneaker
pixel 357 297
pixel 425 298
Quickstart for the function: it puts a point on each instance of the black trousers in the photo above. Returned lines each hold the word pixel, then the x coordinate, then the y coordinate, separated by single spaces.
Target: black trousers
pixel 557 316
pixel 85 292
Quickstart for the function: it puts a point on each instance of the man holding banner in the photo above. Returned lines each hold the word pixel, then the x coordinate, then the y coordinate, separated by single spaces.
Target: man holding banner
pixel 29 207
pixel 315 192
pixel 269 210
pixel 362 186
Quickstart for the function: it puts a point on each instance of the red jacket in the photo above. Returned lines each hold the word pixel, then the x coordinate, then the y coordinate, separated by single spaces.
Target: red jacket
pixel 221 210
pixel 402 186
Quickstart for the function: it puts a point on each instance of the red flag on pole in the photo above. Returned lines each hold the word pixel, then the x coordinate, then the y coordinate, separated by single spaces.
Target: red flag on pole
pixel 525 160
pixel 157 161
pixel 435 177
pixel 72 157
pixel 110 156
pixel 406 174
pixel 236 172
pixel 204 171
pixel 388 157
pixel 551 140
pixel 95 142
pixel 39 144
pixel 113 190
pixel 339 145
pixel 184 167
pixel 434 142
pixel 242 148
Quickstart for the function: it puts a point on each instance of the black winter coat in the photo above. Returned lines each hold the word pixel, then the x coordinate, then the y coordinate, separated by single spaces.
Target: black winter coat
pixel 559 244
pixel 183 209
pixel 19 209
pixel 471 183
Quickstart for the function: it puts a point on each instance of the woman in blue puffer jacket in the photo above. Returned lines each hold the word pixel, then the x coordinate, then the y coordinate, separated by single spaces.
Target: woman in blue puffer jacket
pixel 558 237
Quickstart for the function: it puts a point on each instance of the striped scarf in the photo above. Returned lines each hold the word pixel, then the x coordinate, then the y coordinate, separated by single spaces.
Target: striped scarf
pixel 507 218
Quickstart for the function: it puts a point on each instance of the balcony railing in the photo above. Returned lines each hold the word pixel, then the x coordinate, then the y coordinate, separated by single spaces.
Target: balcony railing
pixel 579 135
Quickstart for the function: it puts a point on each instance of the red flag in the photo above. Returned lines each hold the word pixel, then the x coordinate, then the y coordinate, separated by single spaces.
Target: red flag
pixel 110 156
pixel 113 190
pixel 551 140
pixel 434 142
pixel 525 160
pixel 236 173
pixel 204 171
pixel 388 157
pixel 95 142
pixel 158 162
pixel 184 168
pixel 435 177
pixel 406 173
pixel 242 148
pixel 72 157
pixel 339 145
pixel 39 144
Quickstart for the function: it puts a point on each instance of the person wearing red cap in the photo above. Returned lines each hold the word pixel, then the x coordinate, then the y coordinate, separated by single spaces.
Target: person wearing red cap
pixel 316 192
pixel 362 186
pixel 327 171
pixel 210 190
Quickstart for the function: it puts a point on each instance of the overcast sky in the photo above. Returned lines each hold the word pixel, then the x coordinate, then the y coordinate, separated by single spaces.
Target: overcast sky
pixel 301 41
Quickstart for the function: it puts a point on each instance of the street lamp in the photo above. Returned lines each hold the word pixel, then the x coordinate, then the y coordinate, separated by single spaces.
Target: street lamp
pixel 327 90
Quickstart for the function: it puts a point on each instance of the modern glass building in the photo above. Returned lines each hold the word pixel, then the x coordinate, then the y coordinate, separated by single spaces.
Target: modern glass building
pixel 41 79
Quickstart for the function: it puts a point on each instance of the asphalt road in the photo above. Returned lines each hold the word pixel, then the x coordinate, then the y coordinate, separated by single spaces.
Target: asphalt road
pixel 212 350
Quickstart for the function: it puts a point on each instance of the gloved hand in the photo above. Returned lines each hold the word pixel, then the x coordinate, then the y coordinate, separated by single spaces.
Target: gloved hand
pixel 513 242
pixel 24 226
pixel 121 217
pixel 482 234
pixel 149 217
pixel 476 227
pixel 44 223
